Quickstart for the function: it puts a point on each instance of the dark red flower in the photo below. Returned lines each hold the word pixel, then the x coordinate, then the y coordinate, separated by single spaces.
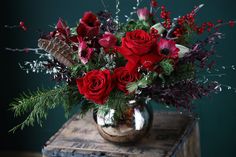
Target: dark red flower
pixel 139 48
pixel 62 31
pixel 88 26
pixel 124 77
pixel 96 85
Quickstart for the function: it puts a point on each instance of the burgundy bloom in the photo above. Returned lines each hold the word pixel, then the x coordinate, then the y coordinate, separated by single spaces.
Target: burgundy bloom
pixel 143 14
pixel 168 49
pixel 89 25
pixel 108 40
pixel 62 31
pixel 84 52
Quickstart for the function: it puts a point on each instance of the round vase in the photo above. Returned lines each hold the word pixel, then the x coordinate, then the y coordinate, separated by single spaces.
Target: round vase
pixel 134 123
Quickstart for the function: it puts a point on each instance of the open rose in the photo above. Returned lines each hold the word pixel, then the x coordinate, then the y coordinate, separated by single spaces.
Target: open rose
pixel 89 25
pixel 96 85
pixel 139 48
pixel 124 77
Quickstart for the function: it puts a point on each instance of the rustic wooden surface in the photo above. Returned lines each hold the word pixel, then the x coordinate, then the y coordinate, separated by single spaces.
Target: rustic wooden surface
pixel 172 134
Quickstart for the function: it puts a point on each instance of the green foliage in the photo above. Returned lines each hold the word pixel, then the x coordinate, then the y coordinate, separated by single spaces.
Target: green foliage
pixel 86 106
pixel 143 82
pixel 118 101
pixel 167 66
pixel 38 104
pixel 73 30
pixel 181 72
pixel 134 25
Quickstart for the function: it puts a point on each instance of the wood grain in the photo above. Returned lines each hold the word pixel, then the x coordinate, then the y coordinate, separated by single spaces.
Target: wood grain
pixel 172 134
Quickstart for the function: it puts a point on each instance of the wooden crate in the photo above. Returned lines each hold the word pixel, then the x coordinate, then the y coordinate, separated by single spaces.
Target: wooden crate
pixel 172 135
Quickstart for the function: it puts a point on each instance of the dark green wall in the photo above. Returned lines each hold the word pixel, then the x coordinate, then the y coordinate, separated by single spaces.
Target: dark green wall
pixel 217 113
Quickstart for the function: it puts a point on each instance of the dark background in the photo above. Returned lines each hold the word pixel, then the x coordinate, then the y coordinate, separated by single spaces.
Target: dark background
pixel 217 113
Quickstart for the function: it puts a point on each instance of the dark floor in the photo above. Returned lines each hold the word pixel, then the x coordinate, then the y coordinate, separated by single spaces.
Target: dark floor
pixel 19 154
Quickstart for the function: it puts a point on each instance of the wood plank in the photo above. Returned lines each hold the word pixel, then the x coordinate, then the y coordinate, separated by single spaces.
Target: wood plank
pixel 172 134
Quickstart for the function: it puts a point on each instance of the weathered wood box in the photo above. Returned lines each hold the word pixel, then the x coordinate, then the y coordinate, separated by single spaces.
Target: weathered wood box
pixel 172 135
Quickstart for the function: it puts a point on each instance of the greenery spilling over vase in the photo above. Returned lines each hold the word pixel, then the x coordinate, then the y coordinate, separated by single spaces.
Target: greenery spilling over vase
pixel 103 64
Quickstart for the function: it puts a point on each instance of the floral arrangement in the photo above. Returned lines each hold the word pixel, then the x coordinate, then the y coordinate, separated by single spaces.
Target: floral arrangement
pixel 102 62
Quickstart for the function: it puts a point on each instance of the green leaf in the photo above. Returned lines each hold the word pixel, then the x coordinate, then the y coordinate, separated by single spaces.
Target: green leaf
pixel 167 66
pixel 143 82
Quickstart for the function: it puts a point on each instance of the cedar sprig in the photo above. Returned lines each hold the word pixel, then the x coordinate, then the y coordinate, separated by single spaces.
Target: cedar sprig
pixel 38 103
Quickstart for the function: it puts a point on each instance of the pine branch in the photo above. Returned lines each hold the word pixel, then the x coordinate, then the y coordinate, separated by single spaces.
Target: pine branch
pixel 38 104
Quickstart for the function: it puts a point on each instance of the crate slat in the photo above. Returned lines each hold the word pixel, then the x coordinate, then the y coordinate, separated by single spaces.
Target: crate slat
pixel 172 134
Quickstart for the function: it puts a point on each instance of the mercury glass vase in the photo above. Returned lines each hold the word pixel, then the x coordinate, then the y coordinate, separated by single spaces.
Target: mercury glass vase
pixel 132 126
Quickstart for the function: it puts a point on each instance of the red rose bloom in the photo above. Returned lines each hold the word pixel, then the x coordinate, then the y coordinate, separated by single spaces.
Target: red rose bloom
pixel 124 77
pixel 89 25
pixel 96 85
pixel 139 48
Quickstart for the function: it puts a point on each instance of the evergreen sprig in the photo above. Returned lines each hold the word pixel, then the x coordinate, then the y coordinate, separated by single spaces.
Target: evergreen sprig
pixel 38 103
pixel 117 101
pixel 143 82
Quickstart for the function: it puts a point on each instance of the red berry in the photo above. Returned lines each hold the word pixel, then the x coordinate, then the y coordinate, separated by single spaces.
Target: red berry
pixel 22 23
pixel 231 23
pixel 154 3
pixel 24 28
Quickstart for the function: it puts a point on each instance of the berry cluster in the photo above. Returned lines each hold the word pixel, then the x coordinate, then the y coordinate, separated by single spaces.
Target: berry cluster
pixel 165 15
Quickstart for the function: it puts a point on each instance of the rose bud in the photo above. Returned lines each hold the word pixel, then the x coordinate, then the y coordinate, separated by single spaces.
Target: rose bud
pixel 143 14
pixel 108 40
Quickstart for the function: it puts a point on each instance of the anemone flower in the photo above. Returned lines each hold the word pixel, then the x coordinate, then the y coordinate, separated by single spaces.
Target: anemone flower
pixel 84 52
pixel 168 49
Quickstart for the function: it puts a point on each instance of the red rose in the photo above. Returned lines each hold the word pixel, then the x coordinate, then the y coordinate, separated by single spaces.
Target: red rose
pixel 108 40
pixel 139 48
pixel 96 85
pixel 89 25
pixel 124 77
